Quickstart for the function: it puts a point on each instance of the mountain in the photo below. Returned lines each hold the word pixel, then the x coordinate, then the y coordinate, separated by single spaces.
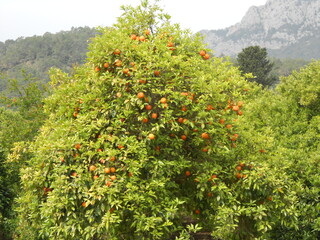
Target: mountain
pixel 287 28
pixel 37 54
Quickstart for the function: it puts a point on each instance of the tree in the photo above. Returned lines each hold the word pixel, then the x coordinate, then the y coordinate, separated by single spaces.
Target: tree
pixel 142 142
pixel 254 60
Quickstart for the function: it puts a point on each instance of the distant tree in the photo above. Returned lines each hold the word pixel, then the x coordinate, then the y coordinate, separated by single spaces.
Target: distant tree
pixel 255 60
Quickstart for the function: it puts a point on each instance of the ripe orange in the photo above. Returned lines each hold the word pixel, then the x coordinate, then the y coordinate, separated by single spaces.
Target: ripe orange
pixel 156 73
pixel 163 100
pixel 106 65
pixel 77 146
pixel 133 36
pixel 184 94
pixel 125 71
pixel 145 120
pixel 183 137
pixel 120 146
pixel 95 177
pixel 222 121
pixel 184 108
pixel 97 69
pixel 210 194
pixel 148 107
pixel 170 44
pixel 205 135
pixel 130 174
pixel 151 136
pixel 116 52
pixel 92 168
pixel 202 53
pixel 238 175
pixel 235 108
pixel 118 63
pixel 113 169
pixel 239 168
pixel 206 56
pixel 180 120
pixel 142 38
pixel 84 204
pixel 188 173
pixel 228 126
pixel 154 115
pixel 74 174
pixel 209 107
pixel 197 211
pixel 107 170
pixel 240 113
pixel 142 81
pixel 140 95
pixel 113 177
pixel 112 158
pixel 108 183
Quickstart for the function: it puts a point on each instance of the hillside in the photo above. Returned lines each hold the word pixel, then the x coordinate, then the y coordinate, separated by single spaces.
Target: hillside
pixel 287 28
pixel 38 53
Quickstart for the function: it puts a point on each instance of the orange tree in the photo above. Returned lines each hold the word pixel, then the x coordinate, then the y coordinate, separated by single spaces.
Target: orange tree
pixel 141 142
pixel 289 116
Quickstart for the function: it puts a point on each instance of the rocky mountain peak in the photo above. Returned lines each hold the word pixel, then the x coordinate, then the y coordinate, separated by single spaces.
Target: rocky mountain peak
pixel 276 25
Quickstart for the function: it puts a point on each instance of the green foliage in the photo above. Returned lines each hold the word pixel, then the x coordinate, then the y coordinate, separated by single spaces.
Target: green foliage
pixel 19 121
pixel 37 54
pixel 148 140
pixel 254 60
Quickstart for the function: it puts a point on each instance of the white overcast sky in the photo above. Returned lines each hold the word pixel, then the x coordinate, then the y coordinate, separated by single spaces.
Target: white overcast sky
pixel 23 18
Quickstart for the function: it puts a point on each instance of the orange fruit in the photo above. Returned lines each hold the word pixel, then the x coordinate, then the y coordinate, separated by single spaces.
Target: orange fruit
pixel 106 65
pixel 235 108
pixel 116 52
pixel 163 100
pixel 184 94
pixel 188 173
pixel 92 168
pixel 197 211
pixel 222 121
pixel 140 95
pixel 154 115
pixel 97 69
pixel 133 36
pixel 107 170
pixel 239 168
pixel 145 120
pixel 151 136
pixel 142 81
pixel 228 126
pixel 184 108
pixel 170 44
pixel 156 73
pixel 148 107
pixel 239 113
pixel 209 107
pixel 95 177
pixel 180 120
pixel 77 146
pixel 125 71
pixel 84 204
pixel 108 183
pixel 113 158
pixel 205 135
pixel 206 56
pixel 113 177
pixel 210 194
pixel 113 170
pixel 183 137
pixel 202 53
pixel 118 63
pixel 142 38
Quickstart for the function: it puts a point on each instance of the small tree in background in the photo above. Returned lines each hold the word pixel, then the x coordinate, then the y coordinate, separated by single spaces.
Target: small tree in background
pixel 254 60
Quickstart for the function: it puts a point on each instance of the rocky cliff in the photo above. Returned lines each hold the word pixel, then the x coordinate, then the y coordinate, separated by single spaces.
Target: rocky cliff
pixel 287 28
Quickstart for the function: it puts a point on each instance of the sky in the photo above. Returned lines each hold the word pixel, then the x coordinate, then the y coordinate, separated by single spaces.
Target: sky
pixel 25 18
